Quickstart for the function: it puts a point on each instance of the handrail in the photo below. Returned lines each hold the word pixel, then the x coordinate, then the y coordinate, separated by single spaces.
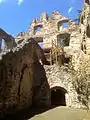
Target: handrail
pixel 55 51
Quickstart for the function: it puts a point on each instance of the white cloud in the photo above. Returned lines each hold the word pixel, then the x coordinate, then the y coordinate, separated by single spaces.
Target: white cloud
pixel 2 1
pixel 20 2
pixel 70 9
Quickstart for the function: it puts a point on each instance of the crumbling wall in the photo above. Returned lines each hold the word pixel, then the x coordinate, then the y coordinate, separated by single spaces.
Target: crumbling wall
pixel 61 77
pixel 78 50
pixel 85 27
pixel 8 39
pixel 49 28
pixel 20 77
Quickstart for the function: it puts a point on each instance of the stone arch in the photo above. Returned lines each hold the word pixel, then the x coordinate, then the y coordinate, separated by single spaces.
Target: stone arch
pixel 37 28
pixel 8 39
pixel 63 24
pixel 58 96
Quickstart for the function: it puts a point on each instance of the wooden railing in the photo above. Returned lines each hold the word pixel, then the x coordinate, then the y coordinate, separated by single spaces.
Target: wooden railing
pixel 55 52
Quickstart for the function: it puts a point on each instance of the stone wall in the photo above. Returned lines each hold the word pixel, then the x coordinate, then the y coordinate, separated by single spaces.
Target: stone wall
pixel 24 81
pixel 22 77
pixel 62 77
pixel 9 41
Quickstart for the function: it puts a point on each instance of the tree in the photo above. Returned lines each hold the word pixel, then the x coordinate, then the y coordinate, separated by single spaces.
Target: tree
pixel 77 20
pixel 81 82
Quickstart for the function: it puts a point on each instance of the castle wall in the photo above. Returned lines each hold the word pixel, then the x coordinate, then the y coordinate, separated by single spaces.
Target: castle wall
pixel 60 77
pixel 75 41
pixel 22 78
pixel 78 49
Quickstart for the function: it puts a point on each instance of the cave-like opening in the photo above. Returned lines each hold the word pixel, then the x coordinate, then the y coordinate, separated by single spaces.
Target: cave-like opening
pixel 58 96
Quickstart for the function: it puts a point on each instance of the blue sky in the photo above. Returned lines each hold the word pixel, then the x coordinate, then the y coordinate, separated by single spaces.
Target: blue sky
pixel 16 15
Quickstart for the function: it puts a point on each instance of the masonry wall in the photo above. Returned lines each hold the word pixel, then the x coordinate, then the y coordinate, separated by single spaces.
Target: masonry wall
pixel 61 77
pixel 22 78
pixel 78 50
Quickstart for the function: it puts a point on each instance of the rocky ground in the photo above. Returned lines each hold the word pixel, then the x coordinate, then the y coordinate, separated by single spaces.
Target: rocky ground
pixel 63 113
pixel 53 113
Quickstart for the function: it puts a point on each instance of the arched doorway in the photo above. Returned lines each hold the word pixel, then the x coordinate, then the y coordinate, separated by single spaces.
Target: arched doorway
pixel 58 96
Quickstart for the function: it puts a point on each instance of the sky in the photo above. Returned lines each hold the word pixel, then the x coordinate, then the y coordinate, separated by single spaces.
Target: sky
pixel 16 15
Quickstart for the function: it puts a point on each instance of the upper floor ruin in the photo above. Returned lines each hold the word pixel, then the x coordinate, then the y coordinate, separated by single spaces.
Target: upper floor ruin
pixel 49 29
pixel 59 35
pixel 9 41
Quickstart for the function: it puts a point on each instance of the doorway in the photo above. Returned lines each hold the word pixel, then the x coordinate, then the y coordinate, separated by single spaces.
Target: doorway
pixel 58 96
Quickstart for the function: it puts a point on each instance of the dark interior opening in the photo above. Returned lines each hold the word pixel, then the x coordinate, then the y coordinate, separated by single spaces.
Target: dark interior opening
pixel 58 97
pixel 67 60
pixel 37 28
pixel 63 39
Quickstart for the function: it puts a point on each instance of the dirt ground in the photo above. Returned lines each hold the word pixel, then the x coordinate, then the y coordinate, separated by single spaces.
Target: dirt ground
pixel 63 113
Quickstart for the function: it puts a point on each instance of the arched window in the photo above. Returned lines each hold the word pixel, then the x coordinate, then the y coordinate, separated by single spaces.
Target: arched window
pixel 62 24
pixel 37 29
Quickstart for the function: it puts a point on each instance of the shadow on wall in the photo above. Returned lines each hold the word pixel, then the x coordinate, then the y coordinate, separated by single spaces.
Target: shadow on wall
pixel 57 99
pixel 41 89
pixel 40 98
pixel 23 81
pixel 88 31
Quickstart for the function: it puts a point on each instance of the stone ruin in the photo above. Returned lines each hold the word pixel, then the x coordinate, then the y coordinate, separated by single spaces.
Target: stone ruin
pixel 31 75
pixel 9 40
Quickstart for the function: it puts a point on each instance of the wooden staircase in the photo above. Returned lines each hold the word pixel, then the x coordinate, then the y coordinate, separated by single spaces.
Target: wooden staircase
pixel 55 54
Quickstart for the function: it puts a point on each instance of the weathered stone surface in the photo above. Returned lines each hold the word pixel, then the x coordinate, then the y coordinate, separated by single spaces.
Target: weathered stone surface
pixel 20 78
pixel 8 39
pixel 61 77
pixel 23 79
pixel 52 29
